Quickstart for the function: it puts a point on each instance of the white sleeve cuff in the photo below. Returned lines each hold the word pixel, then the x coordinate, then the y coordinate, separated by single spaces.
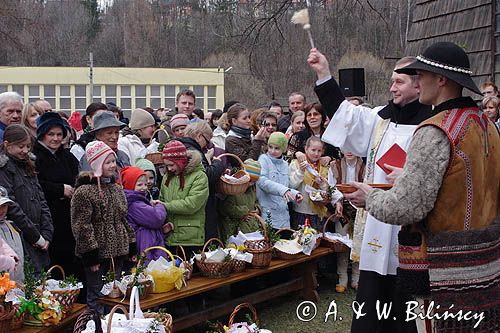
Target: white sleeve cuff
pixel 40 241
pixel 323 80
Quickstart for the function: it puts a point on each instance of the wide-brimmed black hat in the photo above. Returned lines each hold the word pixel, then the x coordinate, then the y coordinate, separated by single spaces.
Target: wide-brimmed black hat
pixel 447 59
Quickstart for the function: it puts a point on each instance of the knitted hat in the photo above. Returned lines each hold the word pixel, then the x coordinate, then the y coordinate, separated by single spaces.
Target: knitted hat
pixel 176 152
pixel 279 139
pixel 179 119
pixel 253 168
pixel 145 165
pixel 96 153
pixel 140 119
pixel 46 121
pixel 129 175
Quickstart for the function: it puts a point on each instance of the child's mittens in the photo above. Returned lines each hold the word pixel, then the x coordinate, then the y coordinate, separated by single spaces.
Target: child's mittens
pixel 168 227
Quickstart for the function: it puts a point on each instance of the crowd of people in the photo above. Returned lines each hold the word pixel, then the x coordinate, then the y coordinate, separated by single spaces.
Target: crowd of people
pixel 84 186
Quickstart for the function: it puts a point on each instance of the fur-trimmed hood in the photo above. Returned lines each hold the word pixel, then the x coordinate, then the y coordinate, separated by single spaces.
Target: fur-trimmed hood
pixel 194 161
pixel 4 158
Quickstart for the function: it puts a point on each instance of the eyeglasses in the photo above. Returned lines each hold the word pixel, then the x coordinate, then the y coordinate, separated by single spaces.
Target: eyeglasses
pixel 269 125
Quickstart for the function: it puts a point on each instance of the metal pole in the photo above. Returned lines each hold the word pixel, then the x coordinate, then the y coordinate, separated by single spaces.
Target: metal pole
pixel 91 77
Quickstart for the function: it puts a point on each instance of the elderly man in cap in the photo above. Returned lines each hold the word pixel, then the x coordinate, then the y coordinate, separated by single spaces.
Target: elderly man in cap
pixel 447 198
pixel 107 129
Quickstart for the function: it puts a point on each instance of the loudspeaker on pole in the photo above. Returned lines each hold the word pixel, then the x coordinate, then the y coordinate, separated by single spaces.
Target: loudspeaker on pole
pixel 352 81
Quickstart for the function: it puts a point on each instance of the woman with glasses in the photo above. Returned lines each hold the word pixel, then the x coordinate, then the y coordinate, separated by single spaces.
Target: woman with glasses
pixel 314 126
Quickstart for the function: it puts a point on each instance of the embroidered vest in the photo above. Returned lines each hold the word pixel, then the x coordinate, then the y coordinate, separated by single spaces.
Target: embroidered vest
pixel 468 197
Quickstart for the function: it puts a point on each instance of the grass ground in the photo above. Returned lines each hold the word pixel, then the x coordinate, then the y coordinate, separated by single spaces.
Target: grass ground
pixel 280 315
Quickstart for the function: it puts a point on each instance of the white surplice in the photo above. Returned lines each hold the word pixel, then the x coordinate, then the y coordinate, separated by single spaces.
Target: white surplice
pixel 351 129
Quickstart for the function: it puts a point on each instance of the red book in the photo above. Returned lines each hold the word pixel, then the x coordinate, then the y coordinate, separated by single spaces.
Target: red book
pixel 395 156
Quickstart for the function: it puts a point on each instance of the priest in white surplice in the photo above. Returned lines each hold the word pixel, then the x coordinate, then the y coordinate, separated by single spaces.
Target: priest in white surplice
pixel 371 133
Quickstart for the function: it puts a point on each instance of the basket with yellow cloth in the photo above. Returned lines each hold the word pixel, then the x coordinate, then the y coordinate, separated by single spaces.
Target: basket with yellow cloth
pixel 166 276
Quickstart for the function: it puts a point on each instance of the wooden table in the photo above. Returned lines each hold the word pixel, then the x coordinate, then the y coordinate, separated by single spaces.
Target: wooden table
pixel 302 278
pixel 69 320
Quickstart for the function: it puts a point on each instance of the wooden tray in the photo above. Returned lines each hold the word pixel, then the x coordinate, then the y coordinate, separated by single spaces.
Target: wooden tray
pixel 346 188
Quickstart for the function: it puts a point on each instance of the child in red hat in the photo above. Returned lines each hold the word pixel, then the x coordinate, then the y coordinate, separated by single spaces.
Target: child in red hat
pixel 145 217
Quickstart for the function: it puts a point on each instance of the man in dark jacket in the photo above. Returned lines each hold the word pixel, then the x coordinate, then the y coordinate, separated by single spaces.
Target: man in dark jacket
pixel 197 137
pixel 296 102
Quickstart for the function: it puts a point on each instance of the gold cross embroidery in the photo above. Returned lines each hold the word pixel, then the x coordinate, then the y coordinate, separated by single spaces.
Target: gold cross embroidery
pixel 375 246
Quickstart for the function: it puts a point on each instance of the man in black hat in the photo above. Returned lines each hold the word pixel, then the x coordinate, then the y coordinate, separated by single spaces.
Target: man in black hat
pixel 447 197
pixel 371 133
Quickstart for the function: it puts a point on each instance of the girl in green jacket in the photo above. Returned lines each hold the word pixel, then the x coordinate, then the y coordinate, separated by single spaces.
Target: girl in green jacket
pixel 184 192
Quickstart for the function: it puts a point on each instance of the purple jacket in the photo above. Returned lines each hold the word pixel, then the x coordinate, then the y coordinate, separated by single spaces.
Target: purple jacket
pixel 147 222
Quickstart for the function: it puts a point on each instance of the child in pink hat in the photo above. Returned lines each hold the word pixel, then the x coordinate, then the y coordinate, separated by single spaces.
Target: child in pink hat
pixel 99 220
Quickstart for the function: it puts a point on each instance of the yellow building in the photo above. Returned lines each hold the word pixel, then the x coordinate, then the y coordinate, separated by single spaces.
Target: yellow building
pixel 68 88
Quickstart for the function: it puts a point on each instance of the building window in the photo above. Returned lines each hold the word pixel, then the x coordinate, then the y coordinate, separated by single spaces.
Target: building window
pixel 34 93
pixel 96 94
pixel 199 92
pixel 49 94
pixel 65 98
pixel 140 96
pixel 110 93
pixel 126 100
pixel 211 98
pixel 155 97
pixel 18 88
pixel 170 97
pixel 80 97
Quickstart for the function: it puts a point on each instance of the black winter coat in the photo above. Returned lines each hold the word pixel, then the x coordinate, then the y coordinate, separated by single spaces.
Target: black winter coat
pixel 55 170
pixel 30 213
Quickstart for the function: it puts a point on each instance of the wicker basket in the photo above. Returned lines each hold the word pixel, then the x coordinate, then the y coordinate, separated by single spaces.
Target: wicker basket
pixel 115 291
pixel 84 318
pixel 239 266
pixel 113 310
pixel 262 250
pixel 214 269
pixel 242 306
pixel 65 297
pixel 157 156
pixel 164 319
pixel 226 187
pixel 157 288
pixel 333 244
pixel 283 255
pixel 187 265
pixel 7 315
pixel 145 288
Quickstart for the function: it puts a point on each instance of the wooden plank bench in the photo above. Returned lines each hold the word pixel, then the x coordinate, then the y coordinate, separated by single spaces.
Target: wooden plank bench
pixel 302 278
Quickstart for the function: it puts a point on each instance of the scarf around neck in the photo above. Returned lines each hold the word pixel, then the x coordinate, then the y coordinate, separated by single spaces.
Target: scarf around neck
pixel 243 132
